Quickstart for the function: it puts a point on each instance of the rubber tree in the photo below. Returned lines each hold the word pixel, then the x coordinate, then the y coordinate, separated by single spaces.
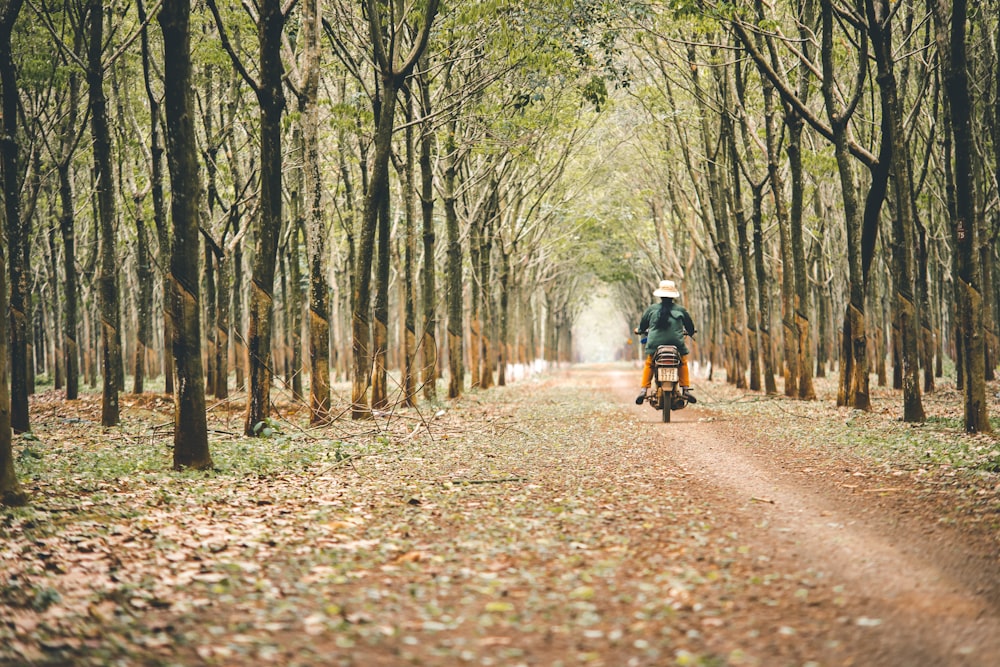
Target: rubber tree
pixel 903 236
pixel 190 427
pixel 861 222
pixel 270 96
pixel 70 133
pixel 17 228
pixel 316 233
pixel 110 314
pixel 951 38
pixel 10 489
pixel 393 66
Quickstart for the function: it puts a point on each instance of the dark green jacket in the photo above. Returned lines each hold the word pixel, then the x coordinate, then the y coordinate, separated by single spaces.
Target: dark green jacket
pixel 666 323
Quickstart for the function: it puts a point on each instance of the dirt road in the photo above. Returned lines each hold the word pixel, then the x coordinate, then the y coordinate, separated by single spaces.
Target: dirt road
pixel 552 523
pixel 910 591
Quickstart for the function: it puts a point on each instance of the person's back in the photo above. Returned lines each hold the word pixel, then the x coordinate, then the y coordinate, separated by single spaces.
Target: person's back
pixel 666 323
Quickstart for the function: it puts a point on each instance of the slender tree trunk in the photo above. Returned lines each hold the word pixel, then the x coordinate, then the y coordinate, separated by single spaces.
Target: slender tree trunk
pixel 800 304
pixel 159 206
pixel 71 348
pixel 261 305
pixel 504 342
pixel 854 390
pixel 18 230
pixel 393 68
pixel 749 282
pixel 763 300
pixel 383 259
pixel 222 325
pixel 208 271
pixel 190 427
pixel 239 348
pixel 454 270
pixel 110 317
pixel 144 305
pixel 475 304
pixel 409 259
pixel 428 345
pixel 10 488
pixel 790 337
pixel 879 19
pixel 969 297
pixel 56 327
pixel 375 198
pixel 294 308
pixel 319 307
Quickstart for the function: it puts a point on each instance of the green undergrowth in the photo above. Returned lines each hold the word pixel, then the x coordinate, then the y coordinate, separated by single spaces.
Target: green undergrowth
pixel 879 434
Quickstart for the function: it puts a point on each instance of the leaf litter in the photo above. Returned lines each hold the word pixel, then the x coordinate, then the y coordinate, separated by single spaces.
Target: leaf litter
pixel 531 524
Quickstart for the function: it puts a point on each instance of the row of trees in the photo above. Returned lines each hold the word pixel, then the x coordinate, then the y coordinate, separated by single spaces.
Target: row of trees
pixel 814 157
pixel 308 145
pixel 433 186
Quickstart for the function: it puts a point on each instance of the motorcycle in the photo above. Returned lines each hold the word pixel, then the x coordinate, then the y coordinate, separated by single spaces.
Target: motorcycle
pixel 666 394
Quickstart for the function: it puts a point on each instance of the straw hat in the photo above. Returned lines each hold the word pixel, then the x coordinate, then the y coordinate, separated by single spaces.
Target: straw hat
pixel 667 288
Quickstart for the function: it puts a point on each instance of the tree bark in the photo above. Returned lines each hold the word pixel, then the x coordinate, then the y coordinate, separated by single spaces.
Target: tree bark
pixel 409 260
pixel 190 425
pixel 319 306
pixel 392 71
pixel 110 316
pixel 879 26
pixel 261 306
pixel 11 493
pixel 144 303
pixel 854 390
pixel 428 345
pixel 969 298
pixel 456 369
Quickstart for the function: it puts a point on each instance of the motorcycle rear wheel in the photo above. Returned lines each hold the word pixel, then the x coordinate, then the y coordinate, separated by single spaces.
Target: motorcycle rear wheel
pixel 666 403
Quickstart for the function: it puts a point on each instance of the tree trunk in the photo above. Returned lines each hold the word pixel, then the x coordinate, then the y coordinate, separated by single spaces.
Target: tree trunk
pixel 294 308
pixel 375 198
pixel 969 297
pixel 475 303
pixel 271 97
pixel 879 21
pixel 854 390
pixel 239 347
pixel 71 348
pixel 110 317
pixel 383 259
pixel 319 307
pixel 504 342
pixel 456 368
pixel 409 259
pixel 144 305
pixel 428 345
pixel 159 207
pixel 222 325
pixel 190 427
pixel 56 327
pixel 18 230
pixel 10 488
pixel 392 70
pixel 211 351
pixel 800 305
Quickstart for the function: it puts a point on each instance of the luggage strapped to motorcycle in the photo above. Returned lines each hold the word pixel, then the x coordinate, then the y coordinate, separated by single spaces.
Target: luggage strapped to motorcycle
pixel 667 355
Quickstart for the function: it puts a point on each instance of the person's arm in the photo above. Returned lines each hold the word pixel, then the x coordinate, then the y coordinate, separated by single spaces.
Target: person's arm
pixel 643 327
pixel 688 324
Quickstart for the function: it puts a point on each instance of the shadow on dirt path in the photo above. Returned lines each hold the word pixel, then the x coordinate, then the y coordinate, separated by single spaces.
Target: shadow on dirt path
pixel 911 591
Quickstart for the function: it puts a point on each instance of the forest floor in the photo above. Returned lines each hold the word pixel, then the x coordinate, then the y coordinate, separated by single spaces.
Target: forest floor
pixel 550 522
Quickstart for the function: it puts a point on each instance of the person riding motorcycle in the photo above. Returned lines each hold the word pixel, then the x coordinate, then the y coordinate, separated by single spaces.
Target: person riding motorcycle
pixel 666 323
